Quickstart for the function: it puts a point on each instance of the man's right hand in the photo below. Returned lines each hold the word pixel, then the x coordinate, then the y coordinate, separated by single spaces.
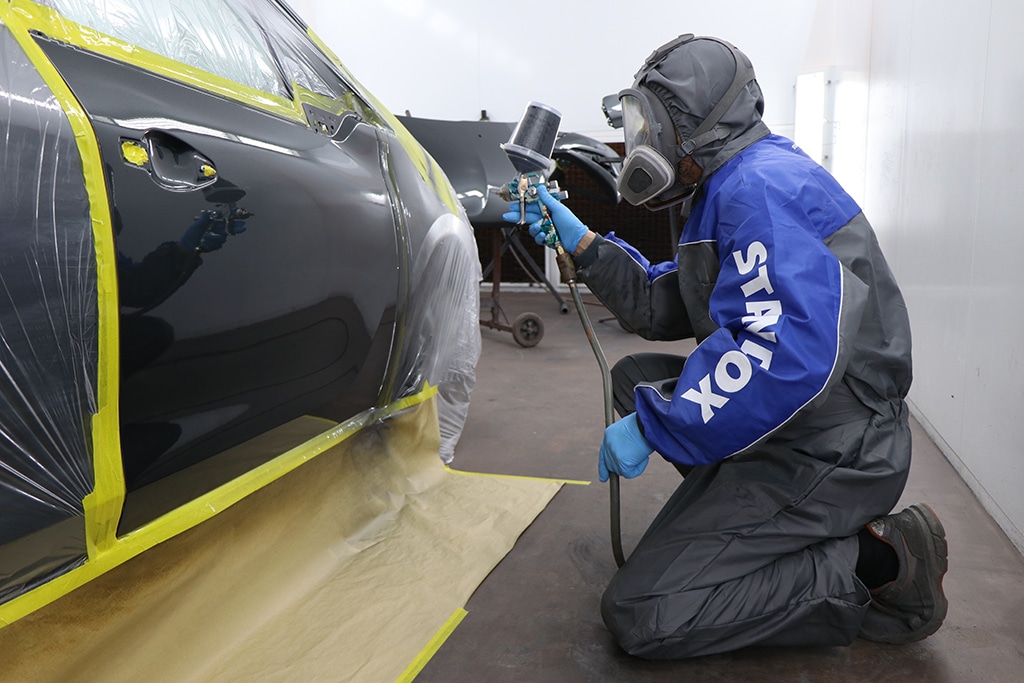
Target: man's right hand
pixel 570 229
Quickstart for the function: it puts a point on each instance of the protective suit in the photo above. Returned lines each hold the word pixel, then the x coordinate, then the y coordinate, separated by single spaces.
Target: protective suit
pixel 791 409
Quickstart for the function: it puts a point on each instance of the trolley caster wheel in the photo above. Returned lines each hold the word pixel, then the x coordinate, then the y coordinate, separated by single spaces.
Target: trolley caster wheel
pixel 528 329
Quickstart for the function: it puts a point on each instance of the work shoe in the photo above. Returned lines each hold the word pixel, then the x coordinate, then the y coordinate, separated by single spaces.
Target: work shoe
pixel 912 606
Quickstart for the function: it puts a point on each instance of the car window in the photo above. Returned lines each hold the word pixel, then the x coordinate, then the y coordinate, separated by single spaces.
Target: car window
pixel 301 61
pixel 217 36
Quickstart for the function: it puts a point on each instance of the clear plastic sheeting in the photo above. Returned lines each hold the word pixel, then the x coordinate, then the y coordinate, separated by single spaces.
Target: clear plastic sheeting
pixel 442 343
pixel 291 47
pixel 221 37
pixel 250 42
pixel 48 332
pixel 456 383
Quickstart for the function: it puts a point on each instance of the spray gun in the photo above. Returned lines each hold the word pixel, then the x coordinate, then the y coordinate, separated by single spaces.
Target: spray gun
pixel 529 150
pixel 524 191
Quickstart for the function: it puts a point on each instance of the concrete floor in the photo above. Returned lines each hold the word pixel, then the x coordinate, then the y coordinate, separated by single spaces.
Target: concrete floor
pixel 538 412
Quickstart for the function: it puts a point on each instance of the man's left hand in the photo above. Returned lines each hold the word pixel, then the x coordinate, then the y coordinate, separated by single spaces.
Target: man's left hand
pixel 624 450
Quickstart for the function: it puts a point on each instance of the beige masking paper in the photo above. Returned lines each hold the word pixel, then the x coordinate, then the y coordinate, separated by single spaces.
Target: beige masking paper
pixel 342 570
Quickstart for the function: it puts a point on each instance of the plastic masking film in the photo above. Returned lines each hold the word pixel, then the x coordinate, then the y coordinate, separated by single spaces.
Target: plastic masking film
pixel 206 34
pixel 48 332
pixel 442 342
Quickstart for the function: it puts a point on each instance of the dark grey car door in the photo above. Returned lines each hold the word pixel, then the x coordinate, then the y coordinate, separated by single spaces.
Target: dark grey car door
pixel 293 313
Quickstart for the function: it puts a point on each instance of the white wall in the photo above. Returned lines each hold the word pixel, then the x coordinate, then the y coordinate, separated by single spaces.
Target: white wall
pixel 449 59
pixel 945 140
pixel 831 125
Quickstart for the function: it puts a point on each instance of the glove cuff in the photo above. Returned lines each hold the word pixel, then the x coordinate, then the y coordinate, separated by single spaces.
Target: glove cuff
pixel 632 425
pixel 589 255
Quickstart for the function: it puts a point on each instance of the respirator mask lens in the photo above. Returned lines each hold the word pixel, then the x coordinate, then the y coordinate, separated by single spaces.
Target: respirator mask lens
pixel 634 125
pixel 646 172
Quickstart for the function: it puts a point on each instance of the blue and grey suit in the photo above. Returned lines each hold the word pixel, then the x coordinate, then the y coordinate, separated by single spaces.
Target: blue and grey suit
pixel 791 410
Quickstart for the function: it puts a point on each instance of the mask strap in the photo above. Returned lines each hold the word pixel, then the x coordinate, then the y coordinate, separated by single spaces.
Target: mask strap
pixel 719 132
pixel 706 131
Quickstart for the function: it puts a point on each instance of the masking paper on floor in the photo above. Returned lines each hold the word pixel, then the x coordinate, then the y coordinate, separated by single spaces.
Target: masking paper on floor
pixel 342 570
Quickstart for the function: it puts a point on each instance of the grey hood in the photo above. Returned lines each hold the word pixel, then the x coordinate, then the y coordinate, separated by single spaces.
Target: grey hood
pixel 690 80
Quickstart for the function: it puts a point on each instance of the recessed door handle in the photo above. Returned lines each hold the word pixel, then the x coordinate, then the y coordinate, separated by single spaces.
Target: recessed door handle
pixel 172 164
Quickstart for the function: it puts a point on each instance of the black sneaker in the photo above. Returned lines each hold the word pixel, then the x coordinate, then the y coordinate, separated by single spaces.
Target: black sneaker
pixel 913 606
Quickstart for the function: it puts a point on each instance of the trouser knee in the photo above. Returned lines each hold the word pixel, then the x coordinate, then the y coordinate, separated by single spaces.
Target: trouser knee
pixel 634 623
pixel 618 621
pixel 641 367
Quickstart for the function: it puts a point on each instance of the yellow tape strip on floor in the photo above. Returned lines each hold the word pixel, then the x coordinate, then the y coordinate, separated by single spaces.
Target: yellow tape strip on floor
pixel 575 482
pixel 442 635
pixel 432 647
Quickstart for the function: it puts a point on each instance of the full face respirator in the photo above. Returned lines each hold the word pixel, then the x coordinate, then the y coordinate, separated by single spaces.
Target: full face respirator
pixel 653 145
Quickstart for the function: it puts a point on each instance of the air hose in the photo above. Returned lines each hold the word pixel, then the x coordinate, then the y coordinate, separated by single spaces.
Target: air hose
pixel 568 275
pixel 523 190
pixel 529 150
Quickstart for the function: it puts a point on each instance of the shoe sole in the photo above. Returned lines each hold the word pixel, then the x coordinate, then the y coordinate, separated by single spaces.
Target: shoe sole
pixel 936 547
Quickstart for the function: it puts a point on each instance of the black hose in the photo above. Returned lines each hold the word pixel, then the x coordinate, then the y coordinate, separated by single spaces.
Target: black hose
pixel 569 276
pixel 613 495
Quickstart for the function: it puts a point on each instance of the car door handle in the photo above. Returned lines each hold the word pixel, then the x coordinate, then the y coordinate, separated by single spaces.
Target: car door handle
pixel 172 163
pixel 335 126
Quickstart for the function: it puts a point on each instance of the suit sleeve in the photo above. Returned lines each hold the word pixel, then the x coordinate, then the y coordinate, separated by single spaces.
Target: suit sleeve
pixel 643 296
pixel 785 307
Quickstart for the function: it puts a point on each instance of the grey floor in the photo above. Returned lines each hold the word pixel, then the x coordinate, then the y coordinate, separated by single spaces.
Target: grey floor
pixel 538 412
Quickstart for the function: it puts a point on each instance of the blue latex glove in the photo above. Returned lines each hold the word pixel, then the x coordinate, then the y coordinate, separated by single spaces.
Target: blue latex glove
pixel 570 229
pixel 624 450
pixel 202 235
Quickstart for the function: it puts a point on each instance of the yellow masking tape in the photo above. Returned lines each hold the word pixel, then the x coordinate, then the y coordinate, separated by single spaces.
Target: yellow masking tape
pixel 432 647
pixel 134 153
pixel 516 476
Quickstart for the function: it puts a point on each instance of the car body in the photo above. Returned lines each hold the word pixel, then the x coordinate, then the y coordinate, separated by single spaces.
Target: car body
pixel 209 230
pixel 470 154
